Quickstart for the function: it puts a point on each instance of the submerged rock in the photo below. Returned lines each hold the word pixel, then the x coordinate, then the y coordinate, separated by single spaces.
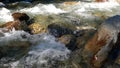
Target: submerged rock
pixel 13 46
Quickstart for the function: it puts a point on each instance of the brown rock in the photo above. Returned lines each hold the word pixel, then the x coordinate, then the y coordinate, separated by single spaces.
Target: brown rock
pixel 20 16
pixel 101 0
pixel 12 24
pixel 83 36
pixel 95 45
pixel 97 49
pixel 71 3
pixel 16 24
pixel 69 41
pixel 37 28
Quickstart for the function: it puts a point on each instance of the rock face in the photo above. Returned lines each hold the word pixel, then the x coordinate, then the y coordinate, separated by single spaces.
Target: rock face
pixel 106 38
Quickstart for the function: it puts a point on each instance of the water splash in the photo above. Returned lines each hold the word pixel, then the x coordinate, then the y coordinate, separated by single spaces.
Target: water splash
pixel 5 15
pixel 43 9
pixel 45 50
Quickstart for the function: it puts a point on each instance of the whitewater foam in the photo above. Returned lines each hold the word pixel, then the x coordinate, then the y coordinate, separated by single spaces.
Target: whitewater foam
pixel 44 49
pixel 5 15
pixel 43 9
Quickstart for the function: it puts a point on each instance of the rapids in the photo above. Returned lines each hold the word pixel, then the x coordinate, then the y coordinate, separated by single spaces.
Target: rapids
pixel 44 50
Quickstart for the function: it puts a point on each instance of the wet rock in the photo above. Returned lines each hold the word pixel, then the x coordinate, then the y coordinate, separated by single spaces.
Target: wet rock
pixel 97 49
pixel 12 24
pixel 17 25
pixel 13 51
pixel 36 28
pixel 20 16
pixel 69 41
pixel 21 22
pixel 71 3
pixel 1 4
pixel 76 59
pixel 113 58
pixel 57 30
pixel 101 0
pixel 13 46
pixel 83 36
pixel 1 34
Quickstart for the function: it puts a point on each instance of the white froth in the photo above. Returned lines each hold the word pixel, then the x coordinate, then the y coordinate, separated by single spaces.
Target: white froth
pixel 46 52
pixel 13 36
pixel 5 15
pixel 43 9
pixel 84 8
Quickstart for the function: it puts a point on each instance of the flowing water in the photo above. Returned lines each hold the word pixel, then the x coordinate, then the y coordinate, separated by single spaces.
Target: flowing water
pixel 43 49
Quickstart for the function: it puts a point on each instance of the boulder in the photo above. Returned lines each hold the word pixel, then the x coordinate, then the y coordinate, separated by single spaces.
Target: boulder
pixel 83 36
pixel 12 24
pixel 13 50
pixel 21 22
pixel 17 25
pixel 69 41
pixel 77 40
pixel 20 16
pixel 97 49
pixel 36 28
pixel 57 30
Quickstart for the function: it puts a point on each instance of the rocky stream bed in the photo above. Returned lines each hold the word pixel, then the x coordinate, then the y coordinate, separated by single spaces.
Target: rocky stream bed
pixel 60 34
